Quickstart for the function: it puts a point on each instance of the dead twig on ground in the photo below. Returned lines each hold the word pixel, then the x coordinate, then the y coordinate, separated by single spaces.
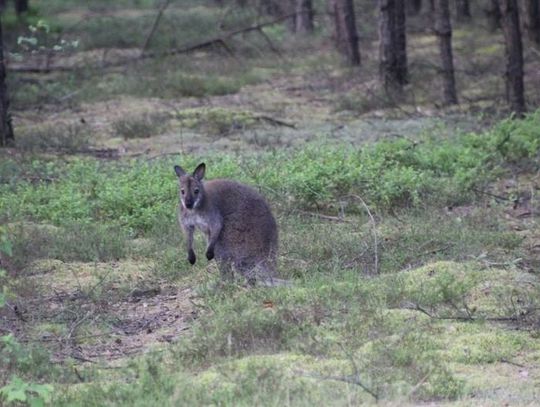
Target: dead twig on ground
pixel 373 231
pixel 468 317
pixel 216 41
pixel 321 216
pixel 352 379
pixel 162 8
pixel 502 198
pixel 278 122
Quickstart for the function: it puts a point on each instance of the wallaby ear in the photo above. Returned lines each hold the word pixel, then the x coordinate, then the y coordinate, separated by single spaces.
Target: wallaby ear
pixel 179 170
pixel 198 174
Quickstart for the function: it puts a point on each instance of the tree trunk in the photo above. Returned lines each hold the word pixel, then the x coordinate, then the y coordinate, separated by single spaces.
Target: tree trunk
pixel 345 32
pixel 271 7
pixel 414 7
pixel 339 29
pixel 493 15
pixel 387 46
pixel 304 16
pixel 443 30
pixel 463 10
pixel 6 129
pixel 514 56
pixel 21 6
pixel 532 20
pixel 402 72
pixel 392 45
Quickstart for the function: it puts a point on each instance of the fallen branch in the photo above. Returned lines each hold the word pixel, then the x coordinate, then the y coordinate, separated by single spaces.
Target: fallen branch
pixel 502 198
pixel 352 379
pixel 164 5
pixel 417 307
pixel 278 122
pixel 321 216
pixel 374 232
pixel 219 41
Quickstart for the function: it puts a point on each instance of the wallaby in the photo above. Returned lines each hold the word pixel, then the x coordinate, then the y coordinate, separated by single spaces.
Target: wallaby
pixel 240 229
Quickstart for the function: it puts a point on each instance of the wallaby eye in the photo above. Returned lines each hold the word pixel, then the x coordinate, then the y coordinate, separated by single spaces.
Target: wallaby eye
pixel 182 191
pixel 196 191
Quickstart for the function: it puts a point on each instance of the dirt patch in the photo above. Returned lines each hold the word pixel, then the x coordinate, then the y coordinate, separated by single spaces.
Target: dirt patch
pixel 92 327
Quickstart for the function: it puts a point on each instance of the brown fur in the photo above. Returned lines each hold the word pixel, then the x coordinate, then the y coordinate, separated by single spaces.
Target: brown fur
pixel 240 229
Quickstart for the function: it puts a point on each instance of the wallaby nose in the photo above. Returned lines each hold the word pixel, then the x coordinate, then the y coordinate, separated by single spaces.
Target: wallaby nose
pixel 189 205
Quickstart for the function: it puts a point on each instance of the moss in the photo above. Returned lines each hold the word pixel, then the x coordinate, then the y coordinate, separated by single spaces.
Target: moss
pixel 76 275
pixel 479 343
pixel 470 290
pixel 216 120
pixel 489 50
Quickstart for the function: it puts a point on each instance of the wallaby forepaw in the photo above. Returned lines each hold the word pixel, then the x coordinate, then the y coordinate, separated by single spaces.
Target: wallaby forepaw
pixel 210 253
pixel 191 257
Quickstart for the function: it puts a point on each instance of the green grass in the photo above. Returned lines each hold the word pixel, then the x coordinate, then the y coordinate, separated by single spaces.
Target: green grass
pixel 389 174
pixel 433 300
pixel 378 301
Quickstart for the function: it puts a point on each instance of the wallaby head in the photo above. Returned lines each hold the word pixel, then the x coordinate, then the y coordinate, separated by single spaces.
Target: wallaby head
pixel 191 186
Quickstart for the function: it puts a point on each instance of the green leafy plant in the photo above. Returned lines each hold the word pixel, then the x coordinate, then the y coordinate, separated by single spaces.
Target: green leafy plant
pixel 17 390
pixel 20 391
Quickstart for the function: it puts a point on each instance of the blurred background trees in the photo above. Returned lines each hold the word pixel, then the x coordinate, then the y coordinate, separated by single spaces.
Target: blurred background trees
pixel 240 29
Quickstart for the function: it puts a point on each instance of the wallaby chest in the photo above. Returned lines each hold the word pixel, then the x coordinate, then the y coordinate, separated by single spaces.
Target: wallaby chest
pixel 197 220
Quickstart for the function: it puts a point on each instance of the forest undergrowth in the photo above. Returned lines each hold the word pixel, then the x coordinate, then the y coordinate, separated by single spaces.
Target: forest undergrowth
pixel 409 232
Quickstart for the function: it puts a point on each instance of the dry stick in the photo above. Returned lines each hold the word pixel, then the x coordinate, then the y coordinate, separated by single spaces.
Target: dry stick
pixel 479 191
pixel 417 307
pixel 164 5
pixel 269 42
pixel 321 216
pixel 353 379
pixel 278 122
pixel 417 385
pixel 174 51
pixel 374 231
pixel 213 41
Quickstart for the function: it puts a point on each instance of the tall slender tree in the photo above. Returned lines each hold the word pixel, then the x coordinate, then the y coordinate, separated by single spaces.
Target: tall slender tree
pixel 413 7
pixel 400 34
pixel 21 6
pixel 443 30
pixel 515 92
pixel 345 31
pixel 392 44
pixel 493 15
pixel 6 130
pixel 532 20
pixel 304 16
pixel 463 10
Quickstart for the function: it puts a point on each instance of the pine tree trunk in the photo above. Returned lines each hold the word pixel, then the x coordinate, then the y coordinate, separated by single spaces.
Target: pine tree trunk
pixel 345 32
pixel 514 56
pixel 400 33
pixel 387 50
pixel 392 45
pixel 351 33
pixel 463 10
pixel 493 15
pixel 6 130
pixel 304 16
pixel 413 7
pixel 21 6
pixel 443 30
pixel 339 30
pixel 532 20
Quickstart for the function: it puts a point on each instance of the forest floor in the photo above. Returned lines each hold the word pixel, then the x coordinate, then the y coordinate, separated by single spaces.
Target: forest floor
pixel 431 304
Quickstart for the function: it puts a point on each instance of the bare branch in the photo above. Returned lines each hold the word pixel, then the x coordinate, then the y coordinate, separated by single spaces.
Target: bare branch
pixel 352 379
pixel 164 5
